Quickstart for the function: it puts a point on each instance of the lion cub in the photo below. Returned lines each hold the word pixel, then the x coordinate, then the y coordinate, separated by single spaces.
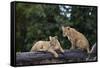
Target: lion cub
pixel 76 38
pixel 49 46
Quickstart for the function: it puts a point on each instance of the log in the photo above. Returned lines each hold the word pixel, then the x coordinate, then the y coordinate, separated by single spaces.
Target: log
pixel 94 49
pixel 28 58
pixel 93 53
pixel 39 56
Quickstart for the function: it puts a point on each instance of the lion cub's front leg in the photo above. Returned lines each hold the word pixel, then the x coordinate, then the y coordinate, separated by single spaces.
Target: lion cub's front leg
pixel 62 51
pixel 42 49
pixel 72 45
pixel 53 52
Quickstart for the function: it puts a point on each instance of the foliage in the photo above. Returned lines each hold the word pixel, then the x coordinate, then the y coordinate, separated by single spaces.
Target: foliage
pixel 36 22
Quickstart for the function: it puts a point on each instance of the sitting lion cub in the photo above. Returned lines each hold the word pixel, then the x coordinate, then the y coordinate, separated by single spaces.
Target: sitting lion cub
pixel 76 38
pixel 49 46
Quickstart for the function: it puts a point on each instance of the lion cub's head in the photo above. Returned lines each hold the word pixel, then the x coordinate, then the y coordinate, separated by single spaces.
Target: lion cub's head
pixel 66 31
pixel 53 40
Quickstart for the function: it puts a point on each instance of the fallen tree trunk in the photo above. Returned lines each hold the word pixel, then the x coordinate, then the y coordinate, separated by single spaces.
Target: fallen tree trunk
pixel 93 53
pixel 28 58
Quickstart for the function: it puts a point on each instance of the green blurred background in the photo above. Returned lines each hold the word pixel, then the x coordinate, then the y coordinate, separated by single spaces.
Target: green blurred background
pixel 36 22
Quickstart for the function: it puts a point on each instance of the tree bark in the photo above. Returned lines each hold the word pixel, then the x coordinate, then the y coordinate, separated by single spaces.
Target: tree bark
pixel 74 55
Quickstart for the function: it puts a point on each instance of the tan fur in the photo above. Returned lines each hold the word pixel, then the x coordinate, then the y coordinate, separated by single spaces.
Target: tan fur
pixel 76 38
pixel 49 46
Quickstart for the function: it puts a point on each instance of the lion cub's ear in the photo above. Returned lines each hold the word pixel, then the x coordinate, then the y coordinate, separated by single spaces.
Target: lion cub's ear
pixel 50 37
pixel 62 27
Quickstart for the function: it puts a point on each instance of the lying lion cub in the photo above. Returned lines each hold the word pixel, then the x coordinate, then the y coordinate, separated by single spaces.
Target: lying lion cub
pixel 49 46
pixel 76 38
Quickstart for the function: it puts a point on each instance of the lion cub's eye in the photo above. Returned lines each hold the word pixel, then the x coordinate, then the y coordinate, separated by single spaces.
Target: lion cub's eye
pixel 68 28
